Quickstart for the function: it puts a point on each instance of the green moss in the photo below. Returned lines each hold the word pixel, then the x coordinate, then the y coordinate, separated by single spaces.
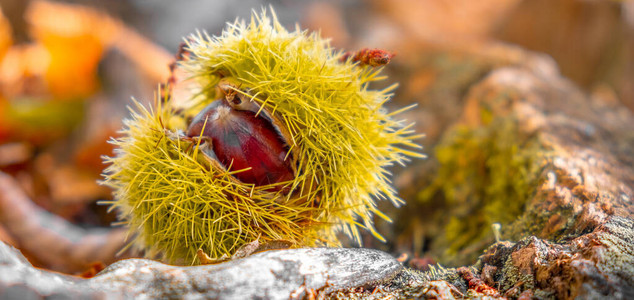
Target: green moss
pixel 486 175
pixel 342 138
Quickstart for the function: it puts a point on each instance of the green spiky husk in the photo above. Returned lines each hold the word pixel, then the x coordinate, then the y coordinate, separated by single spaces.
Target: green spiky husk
pixel 340 134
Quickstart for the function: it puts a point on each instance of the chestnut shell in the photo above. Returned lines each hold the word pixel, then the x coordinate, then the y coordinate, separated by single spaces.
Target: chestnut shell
pixel 242 139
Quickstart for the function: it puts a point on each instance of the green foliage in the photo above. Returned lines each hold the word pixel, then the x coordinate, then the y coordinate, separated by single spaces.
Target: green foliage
pixel 176 202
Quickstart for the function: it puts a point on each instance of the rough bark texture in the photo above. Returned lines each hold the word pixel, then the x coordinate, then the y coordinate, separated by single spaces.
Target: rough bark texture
pixel 595 265
pixel 537 155
pixel 554 166
pixel 585 172
pixel 598 265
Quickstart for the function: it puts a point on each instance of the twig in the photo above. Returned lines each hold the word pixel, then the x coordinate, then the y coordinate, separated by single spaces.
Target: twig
pixel 52 240
pixel 369 57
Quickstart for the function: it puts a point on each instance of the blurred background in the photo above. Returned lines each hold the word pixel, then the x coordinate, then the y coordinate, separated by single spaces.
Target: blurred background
pixel 68 69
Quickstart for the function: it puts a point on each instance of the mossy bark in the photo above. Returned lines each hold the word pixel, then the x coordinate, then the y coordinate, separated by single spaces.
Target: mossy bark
pixel 533 153
pixel 555 167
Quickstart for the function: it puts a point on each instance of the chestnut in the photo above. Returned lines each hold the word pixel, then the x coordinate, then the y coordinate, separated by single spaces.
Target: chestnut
pixel 242 140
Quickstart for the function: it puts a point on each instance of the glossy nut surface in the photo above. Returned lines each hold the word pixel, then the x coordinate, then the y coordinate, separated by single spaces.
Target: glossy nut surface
pixel 239 140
